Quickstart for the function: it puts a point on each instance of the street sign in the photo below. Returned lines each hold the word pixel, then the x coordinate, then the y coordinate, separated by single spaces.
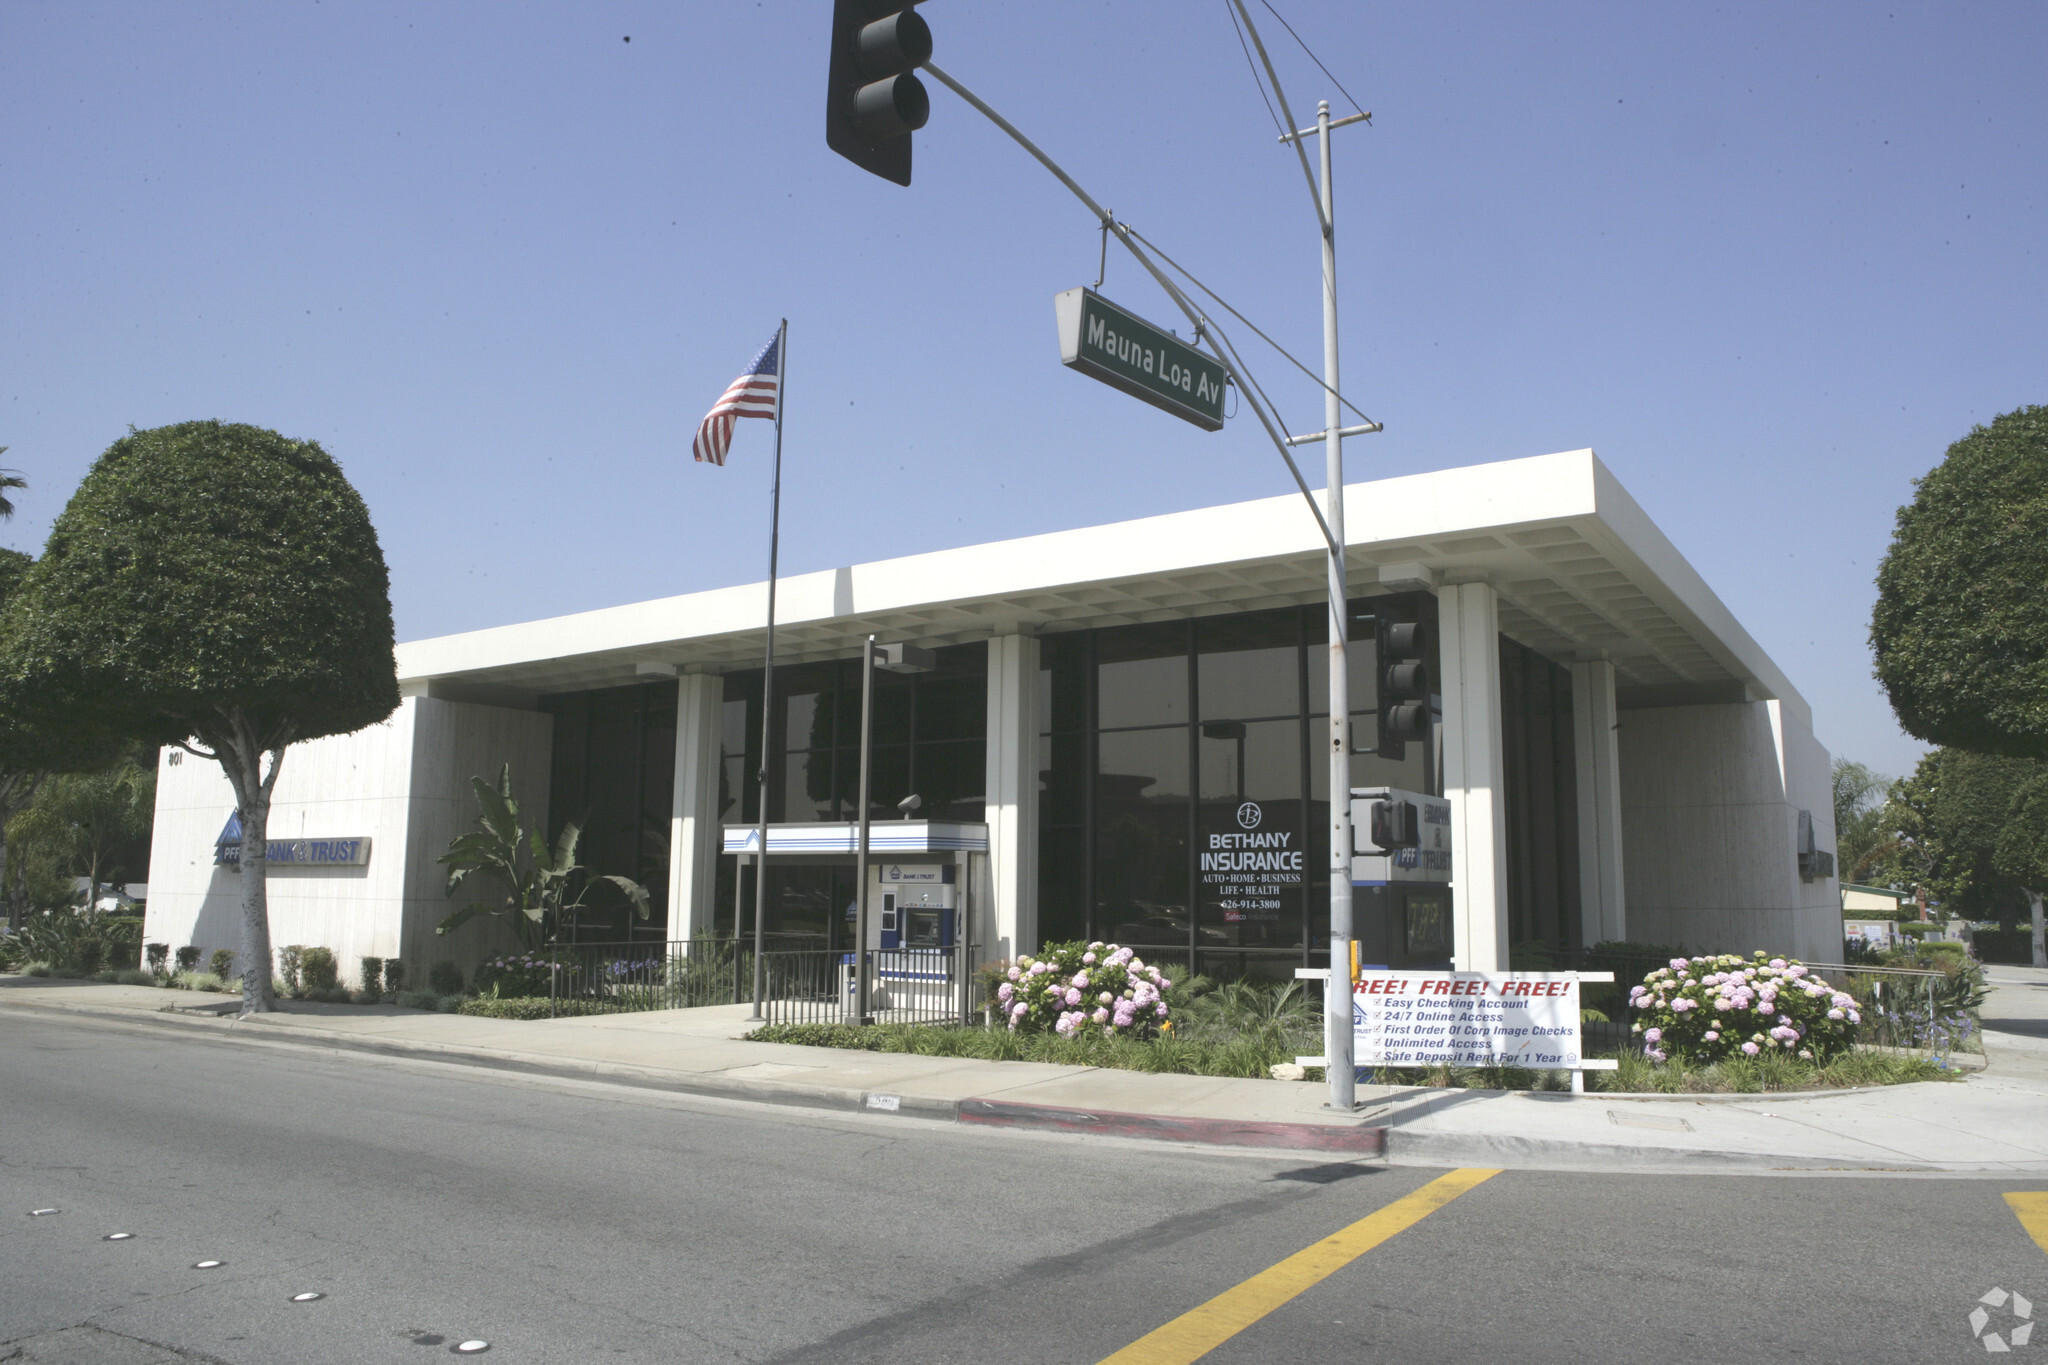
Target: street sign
pixel 1125 352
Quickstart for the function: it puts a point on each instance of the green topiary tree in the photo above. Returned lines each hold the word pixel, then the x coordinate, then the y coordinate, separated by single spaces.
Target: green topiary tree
pixel 29 753
pixel 22 760
pixel 1960 630
pixel 1962 822
pixel 2022 855
pixel 218 587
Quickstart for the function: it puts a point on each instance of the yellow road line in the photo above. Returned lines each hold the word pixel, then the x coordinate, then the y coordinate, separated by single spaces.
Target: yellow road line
pixel 2032 1208
pixel 1201 1330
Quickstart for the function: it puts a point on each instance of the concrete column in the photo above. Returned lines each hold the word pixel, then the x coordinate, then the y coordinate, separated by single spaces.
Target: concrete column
pixel 693 825
pixel 1602 909
pixel 1011 925
pixel 1468 623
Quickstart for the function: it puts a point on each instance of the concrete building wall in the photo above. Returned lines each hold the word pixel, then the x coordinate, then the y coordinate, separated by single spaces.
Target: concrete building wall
pixel 403 783
pixel 1710 796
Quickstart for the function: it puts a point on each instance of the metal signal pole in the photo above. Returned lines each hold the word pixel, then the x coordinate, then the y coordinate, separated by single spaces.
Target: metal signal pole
pixel 1338 1054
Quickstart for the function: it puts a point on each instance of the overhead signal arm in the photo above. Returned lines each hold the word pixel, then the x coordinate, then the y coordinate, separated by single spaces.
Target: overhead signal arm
pixel 1206 329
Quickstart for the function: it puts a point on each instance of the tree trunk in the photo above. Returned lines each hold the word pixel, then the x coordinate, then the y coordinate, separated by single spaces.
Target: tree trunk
pixel 256 993
pixel 241 757
pixel 2040 929
pixel 6 884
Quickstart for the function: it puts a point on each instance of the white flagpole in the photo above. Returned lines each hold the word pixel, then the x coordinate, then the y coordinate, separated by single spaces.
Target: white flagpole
pixel 768 683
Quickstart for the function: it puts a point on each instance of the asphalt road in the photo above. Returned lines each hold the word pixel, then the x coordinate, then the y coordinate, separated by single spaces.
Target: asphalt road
pixel 562 1222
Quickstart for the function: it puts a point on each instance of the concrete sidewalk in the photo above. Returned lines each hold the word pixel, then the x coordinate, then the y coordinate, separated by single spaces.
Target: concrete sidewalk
pixel 1994 1122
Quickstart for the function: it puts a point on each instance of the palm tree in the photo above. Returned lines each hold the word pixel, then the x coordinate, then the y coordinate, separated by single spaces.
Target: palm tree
pixel 8 479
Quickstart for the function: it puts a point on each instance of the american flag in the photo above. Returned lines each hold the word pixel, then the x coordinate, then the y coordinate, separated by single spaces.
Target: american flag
pixel 751 395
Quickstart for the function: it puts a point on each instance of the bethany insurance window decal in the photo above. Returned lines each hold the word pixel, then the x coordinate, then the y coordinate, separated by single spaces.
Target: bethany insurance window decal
pixel 1246 869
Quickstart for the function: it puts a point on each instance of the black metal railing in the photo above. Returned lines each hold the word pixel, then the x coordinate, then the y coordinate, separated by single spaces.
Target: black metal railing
pixel 804 983
pixel 905 986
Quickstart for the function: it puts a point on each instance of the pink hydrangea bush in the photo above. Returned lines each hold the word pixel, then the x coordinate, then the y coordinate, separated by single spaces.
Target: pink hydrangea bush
pixel 1708 1008
pixel 1070 987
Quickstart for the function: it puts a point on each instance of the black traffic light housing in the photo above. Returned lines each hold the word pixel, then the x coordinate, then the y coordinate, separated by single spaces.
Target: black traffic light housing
pixel 1396 824
pixel 1404 686
pixel 875 103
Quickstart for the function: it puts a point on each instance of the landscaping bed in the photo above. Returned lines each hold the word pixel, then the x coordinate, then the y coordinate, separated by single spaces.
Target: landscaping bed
pixel 1250 1058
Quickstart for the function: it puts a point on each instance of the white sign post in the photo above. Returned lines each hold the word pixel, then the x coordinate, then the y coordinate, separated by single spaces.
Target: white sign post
pixel 1528 1019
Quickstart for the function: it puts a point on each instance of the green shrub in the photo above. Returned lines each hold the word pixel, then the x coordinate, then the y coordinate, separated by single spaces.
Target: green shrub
pixel 366 997
pixel 160 958
pixel 1707 1008
pixel 77 942
pixel 319 970
pixel 188 957
pixel 371 972
pixel 291 965
pixel 419 1000
pixel 819 1035
pixel 513 975
pixel 1075 988
pixel 330 995
pixel 36 969
pixel 222 963
pixel 130 976
pixel 394 976
pixel 529 1007
pixel 445 978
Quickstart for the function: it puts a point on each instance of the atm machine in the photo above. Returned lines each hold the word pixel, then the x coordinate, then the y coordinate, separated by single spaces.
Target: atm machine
pixel 913 920
pixel 1401 879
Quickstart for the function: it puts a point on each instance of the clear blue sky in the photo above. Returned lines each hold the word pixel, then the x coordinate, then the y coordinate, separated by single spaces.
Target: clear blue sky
pixel 1768 260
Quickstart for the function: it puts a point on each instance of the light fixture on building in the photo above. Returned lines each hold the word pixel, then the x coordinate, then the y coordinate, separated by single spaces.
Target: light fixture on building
pixel 905 659
pixel 1814 864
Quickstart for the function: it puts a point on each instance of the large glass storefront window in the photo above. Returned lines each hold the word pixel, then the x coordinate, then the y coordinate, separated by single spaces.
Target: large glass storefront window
pixel 614 775
pixel 1540 759
pixel 1179 808
pixel 930 739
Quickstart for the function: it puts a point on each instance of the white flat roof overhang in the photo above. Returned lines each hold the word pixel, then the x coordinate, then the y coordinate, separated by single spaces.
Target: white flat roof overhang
pixel 1581 571
pixel 841 838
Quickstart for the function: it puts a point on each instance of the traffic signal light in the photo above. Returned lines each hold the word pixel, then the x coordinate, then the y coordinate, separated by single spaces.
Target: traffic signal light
pixel 875 103
pixel 1395 824
pixel 1404 685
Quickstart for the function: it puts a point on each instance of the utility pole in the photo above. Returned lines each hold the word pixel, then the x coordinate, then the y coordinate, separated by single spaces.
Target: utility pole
pixel 1338 1054
pixel 1338 1050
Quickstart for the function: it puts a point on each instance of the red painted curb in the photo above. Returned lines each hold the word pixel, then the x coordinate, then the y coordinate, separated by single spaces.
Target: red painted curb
pixel 1318 1137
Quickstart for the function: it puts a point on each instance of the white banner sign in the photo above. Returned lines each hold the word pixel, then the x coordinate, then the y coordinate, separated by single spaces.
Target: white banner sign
pixel 1467 1019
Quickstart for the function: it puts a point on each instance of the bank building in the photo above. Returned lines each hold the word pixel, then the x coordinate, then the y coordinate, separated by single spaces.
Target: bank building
pixel 1117 734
